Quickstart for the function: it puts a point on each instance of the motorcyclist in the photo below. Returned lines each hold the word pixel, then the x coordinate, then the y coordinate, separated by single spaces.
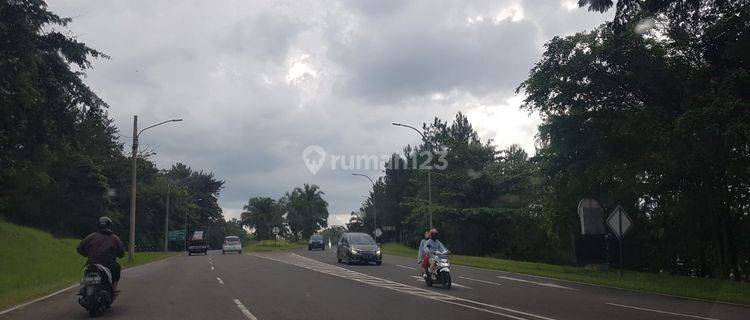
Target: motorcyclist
pixel 421 254
pixel 431 245
pixel 103 247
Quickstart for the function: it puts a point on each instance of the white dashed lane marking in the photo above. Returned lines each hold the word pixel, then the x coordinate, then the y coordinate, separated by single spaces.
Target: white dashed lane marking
pixel 482 281
pixel 244 310
pixel 220 281
pixel 315 265
pixel 543 284
pixel 420 279
pixel 404 267
pixel 660 311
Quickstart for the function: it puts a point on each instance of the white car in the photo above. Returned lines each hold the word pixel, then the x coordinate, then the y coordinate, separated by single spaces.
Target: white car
pixel 231 244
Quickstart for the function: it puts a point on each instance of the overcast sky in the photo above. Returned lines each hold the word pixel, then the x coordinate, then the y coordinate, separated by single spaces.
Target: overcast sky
pixel 257 82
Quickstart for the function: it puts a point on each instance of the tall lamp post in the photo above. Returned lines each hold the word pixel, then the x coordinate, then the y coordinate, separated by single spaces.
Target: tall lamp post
pixel 374 213
pixel 429 170
pixel 136 134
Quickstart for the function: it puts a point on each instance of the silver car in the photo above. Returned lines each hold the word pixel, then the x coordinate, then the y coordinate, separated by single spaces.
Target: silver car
pixel 231 244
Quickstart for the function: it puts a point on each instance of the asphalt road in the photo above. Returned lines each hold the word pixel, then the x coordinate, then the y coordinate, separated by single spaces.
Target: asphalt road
pixel 311 285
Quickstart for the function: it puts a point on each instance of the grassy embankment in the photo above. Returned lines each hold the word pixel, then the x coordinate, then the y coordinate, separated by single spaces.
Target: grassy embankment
pixel 270 245
pixel 698 288
pixel 33 263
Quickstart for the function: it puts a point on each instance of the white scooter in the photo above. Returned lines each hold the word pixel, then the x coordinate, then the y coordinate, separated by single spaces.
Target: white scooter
pixel 439 270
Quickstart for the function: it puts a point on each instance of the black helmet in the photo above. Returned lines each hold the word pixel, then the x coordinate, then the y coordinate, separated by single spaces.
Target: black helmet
pixel 104 223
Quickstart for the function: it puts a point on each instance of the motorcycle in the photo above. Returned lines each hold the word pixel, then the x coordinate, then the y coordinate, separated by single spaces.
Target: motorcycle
pixel 438 270
pixel 96 293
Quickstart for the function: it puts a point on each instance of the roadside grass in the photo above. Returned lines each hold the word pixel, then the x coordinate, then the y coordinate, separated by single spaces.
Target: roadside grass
pixel 270 245
pixel 697 288
pixel 33 263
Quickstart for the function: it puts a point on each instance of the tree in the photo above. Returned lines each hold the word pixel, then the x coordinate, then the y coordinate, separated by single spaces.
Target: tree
pixel 262 214
pixel 55 136
pixel 307 211
pixel 655 121
pixel 356 223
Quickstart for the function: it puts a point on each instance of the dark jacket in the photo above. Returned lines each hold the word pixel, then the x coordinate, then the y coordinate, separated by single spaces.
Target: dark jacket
pixel 102 247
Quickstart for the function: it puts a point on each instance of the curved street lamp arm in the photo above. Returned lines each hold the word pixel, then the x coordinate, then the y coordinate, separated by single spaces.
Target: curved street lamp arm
pixel 410 127
pixel 158 124
pixel 362 175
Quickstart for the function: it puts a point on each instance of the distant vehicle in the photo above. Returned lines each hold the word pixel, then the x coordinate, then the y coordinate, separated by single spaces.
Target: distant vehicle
pixel 356 247
pixel 231 244
pixel 198 243
pixel 316 241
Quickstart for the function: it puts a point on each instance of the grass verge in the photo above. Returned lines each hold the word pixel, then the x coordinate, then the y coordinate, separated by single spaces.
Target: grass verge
pixel 271 245
pixel 698 288
pixel 33 263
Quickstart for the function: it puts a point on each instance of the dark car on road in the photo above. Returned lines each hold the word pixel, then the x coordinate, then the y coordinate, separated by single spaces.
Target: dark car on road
pixel 354 247
pixel 316 242
pixel 197 243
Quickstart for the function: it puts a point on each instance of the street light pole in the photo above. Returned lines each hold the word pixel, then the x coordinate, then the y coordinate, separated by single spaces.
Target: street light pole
pixel 136 134
pixel 131 248
pixel 374 213
pixel 166 219
pixel 429 170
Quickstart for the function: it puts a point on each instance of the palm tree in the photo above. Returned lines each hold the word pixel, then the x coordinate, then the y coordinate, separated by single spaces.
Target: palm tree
pixel 262 214
pixel 307 211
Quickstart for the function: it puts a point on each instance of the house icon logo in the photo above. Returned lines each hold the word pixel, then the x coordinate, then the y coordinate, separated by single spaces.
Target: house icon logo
pixel 314 158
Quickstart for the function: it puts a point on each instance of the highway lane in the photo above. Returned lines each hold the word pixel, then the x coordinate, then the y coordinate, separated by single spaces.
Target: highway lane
pixel 311 285
pixel 245 287
pixel 546 297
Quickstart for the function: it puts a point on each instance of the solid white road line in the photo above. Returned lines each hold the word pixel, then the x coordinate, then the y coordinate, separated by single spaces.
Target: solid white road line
pixel 482 281
pixel 405 267
pixel 38 299
pixel 220 281
pixel 420 279
pixel 544 284
pixel 660 311
pixel 244 310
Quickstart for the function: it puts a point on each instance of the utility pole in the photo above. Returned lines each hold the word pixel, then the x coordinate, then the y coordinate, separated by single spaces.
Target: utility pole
pixel 166 219
pixel 131 246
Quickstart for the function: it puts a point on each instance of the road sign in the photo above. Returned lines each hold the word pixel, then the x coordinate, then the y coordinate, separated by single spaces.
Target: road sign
pixel 176 235
pixel 275 230
pixel 591 214
pixel 619 222
pixel 378 232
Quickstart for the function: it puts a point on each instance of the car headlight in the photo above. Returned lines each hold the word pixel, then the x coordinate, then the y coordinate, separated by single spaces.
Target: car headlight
pixel 377 252
pixel 354 251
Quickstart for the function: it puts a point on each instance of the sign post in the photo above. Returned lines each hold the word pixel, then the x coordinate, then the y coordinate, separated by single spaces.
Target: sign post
pixel 620 223
pixel 275 235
